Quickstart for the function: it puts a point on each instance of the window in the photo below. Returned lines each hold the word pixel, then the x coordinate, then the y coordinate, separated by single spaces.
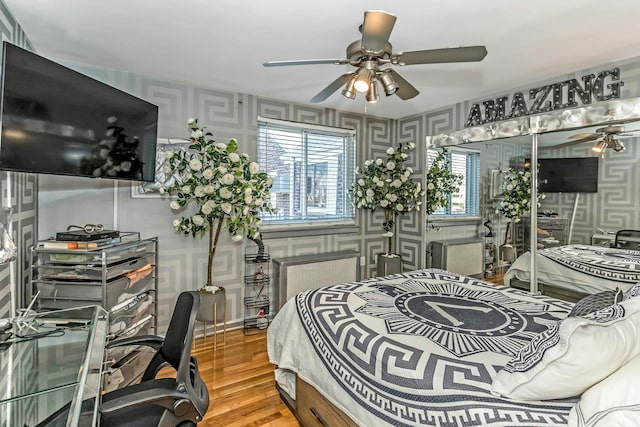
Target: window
pixel 313 168
pixel 466 202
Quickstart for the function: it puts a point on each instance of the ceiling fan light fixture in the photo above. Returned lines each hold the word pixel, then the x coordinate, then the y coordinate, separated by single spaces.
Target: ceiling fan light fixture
pixel 349 90
pixel 363 80
pixel 372 93
pixel 600 147
pixel 388 83
pixel 618 146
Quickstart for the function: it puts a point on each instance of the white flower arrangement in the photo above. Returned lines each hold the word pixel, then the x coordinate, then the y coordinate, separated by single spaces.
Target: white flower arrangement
pixel 386 184
pixel 517 194
pixel 441 181
pixel 228 189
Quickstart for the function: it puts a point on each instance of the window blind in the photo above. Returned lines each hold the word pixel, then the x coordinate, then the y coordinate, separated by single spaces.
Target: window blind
pixel 313 168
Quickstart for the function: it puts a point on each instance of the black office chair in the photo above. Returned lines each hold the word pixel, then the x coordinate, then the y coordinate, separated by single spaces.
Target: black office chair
pixel 627 239
pixel 180 401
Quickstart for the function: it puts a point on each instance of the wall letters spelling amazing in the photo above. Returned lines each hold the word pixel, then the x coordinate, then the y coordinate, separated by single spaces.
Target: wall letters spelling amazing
pixel 556 96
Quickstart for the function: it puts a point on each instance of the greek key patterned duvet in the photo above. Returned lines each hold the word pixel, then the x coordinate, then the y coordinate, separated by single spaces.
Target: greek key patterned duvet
pixel 419 348
pixel 588 269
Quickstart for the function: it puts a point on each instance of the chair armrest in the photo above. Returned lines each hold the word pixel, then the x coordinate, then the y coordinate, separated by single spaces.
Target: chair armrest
pixel 152 341
pixel 163 394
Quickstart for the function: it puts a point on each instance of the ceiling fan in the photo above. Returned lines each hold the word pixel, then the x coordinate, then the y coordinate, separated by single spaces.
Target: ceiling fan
pixel 605 137
pixel 372 52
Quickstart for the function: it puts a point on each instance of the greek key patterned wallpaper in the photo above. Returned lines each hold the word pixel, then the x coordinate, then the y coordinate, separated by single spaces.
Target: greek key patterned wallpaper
pixel 65 200
pixel 23 189
pixel 182 260
pixel 230 114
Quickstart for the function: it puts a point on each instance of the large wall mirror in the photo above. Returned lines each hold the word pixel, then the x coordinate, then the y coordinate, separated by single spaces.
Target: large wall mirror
pixel 589 194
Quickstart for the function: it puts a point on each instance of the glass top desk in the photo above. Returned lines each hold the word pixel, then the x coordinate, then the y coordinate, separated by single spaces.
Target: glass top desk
pixel 53 363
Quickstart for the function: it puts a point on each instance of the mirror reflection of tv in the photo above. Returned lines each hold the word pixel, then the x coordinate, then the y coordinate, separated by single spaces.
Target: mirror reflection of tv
pixel 58 121
pixel 568 175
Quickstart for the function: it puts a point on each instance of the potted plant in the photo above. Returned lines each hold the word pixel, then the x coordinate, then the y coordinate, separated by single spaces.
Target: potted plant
pixel 225 187
pixel 516 188
pixel 441 182
pixel 385 184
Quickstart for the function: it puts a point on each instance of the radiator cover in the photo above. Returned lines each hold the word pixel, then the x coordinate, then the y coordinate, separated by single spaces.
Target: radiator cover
pixel 296 274
pixel 462 256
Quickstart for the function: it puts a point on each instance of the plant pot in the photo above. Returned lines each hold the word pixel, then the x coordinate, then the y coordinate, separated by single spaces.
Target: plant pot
pixel 207 303
pixel 388 264
pixel 507 253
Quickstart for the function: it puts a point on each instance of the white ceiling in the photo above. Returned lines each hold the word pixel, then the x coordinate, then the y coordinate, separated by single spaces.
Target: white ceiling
pixel 223 43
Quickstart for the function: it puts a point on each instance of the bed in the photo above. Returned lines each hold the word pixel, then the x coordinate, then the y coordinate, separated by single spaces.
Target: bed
pixel 418 348
pixel 577 269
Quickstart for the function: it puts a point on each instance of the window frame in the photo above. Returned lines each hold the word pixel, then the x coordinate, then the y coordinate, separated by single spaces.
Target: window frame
pixel 311 226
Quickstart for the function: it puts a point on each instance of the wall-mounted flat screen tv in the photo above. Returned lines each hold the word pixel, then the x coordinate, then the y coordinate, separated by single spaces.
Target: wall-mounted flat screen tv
pixel 568 175
pixel 58 121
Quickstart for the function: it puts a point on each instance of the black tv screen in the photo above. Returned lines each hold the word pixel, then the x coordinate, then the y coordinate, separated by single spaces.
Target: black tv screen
pixel 568 175
pixel 58 121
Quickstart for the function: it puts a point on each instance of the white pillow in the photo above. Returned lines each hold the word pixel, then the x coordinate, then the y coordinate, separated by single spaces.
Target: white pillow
pixel 615 401
pixel 572 355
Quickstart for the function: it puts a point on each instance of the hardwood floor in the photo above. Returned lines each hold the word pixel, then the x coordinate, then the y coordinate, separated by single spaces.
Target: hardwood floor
pixel 496 278
pixel 241 382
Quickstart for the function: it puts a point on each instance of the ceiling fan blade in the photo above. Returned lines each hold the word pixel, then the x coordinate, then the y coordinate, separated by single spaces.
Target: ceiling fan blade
pixel 405 89
pixel 611 129
pixel 592 137
pixel 305 62
pixel 376 29
pixel 439 56
pixel 575 142
pixel 333 86
pixel 585 135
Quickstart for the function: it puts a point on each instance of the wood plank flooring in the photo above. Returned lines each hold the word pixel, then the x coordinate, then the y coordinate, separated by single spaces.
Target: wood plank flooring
pixel 241 382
